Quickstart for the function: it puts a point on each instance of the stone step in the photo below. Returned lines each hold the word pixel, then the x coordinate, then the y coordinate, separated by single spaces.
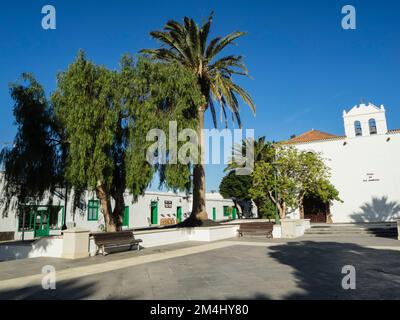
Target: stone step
pixel 352 230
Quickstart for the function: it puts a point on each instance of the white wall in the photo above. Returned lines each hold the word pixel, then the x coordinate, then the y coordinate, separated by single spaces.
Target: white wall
pixel 139 212
pixel 366 171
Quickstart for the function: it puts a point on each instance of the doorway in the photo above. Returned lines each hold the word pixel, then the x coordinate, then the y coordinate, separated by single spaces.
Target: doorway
pixel 42 222
pixel 316 210
pixel 179 214
pixel 154 212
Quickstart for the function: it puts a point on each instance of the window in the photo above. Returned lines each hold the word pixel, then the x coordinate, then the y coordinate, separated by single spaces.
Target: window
pixel 56 217
pixel 93 210
pixel 226 211
pixel 372 126
pixel 357 128
pixel 29 219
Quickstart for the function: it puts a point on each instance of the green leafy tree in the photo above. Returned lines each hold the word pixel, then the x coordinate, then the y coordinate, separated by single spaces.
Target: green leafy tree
pixel 236 188
pixel 233 186
pixel 291 176
pixel 276 180
pixel 32 166
pixel 187 44
pixel 262 151
pixel 106 115
pixel 313 180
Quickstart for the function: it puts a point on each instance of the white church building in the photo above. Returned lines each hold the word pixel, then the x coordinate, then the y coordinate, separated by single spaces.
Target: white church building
pixel 365 167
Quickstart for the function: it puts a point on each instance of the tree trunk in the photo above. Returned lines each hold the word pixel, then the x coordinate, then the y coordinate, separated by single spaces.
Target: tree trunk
pixel 239 209
pixel 118 209
pixel 105 203
pixel 301 207
pixel 199 179
pixel 282 209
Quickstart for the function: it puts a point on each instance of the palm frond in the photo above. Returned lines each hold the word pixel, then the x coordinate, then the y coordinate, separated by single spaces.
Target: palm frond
pixel 186 43
pixel 223 43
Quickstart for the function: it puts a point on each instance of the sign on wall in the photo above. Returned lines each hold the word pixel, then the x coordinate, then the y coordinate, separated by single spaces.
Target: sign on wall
pixel 370 177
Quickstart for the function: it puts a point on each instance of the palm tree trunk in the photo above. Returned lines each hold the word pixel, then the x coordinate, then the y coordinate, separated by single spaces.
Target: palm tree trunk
pixel 199 178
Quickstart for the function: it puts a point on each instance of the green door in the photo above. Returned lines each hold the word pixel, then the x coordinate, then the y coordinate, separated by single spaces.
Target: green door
pixel 179 214
pixel 234 213
pixel 42 221
pixel 154 212
pixel 214 214
pixel 125 221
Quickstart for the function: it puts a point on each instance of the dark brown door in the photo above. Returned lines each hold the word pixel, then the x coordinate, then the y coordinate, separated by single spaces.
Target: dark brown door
pixel 315 210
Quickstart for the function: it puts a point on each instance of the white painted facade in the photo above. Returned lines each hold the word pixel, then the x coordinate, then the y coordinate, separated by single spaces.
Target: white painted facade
pixel 365 168
pixel 139 212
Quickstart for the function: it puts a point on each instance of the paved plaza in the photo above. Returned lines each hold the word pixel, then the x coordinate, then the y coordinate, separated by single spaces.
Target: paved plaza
pixel 251 268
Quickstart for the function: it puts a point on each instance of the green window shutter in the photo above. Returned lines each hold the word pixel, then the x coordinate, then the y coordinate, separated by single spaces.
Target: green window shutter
pixel 125 221
pixel 93 210
pixel 234 211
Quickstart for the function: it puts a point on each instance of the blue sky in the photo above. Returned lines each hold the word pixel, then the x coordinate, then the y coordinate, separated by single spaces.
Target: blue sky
pixel 305 68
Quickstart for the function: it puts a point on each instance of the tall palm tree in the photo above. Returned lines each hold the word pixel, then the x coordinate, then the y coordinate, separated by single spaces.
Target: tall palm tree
pixel 187 44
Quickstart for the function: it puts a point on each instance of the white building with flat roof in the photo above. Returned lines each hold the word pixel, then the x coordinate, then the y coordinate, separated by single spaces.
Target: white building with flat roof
pixel 365 165
pixel 150 210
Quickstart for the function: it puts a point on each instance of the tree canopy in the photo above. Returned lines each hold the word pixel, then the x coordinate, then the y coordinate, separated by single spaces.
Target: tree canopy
pixel 92 132
pixel 291 176
pixel 32 165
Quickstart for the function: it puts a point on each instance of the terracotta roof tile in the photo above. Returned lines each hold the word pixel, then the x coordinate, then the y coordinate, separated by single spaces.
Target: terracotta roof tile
pixel 313 135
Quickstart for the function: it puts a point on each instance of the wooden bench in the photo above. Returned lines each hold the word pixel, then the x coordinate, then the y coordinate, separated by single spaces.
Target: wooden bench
pixel 256 229
pixel 106 240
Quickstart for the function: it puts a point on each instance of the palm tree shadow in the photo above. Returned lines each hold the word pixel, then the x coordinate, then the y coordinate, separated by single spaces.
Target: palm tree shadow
pixel 379 209
pixel 65 290
pixel 318 270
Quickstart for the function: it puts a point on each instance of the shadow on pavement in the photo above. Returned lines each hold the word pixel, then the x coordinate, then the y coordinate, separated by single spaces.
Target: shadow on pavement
pixel 66 290
pixel 318 270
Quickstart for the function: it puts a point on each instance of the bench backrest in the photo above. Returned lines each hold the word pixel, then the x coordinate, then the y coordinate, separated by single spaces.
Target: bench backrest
pixel 113 236
pixel 257 225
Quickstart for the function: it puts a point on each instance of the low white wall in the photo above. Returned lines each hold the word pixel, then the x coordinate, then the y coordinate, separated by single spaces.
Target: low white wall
pixel 214 233
pixel 53 246
pixel 45 247
pixel 277 231
pixel 155 238
pixel 398 229
pixel 294 228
